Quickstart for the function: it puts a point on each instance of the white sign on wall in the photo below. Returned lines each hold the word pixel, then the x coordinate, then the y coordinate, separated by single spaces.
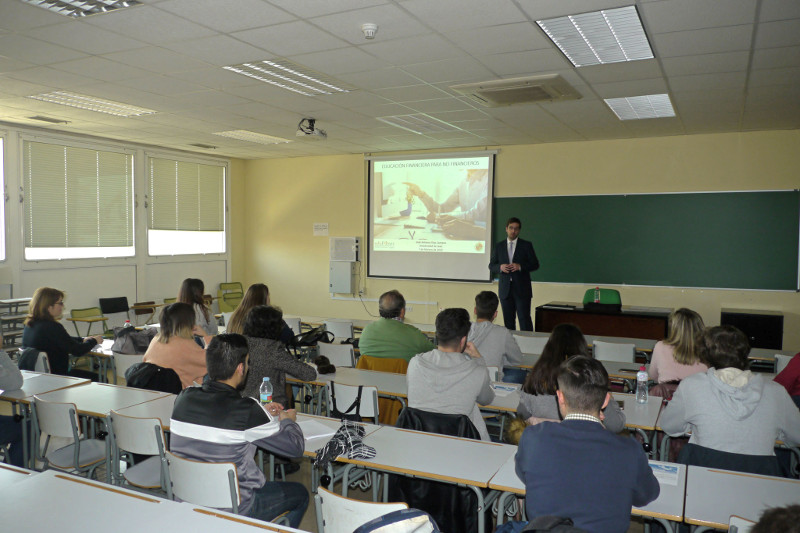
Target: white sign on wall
pixel 320 229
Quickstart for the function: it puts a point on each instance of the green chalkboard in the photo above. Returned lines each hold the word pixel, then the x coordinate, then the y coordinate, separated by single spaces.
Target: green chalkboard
pixel 746 240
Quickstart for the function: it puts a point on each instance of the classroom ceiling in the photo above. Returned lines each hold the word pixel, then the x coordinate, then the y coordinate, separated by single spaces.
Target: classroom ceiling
pixel 727 65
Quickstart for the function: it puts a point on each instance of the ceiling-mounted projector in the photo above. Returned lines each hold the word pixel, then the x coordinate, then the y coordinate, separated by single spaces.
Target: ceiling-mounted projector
pixel 306 129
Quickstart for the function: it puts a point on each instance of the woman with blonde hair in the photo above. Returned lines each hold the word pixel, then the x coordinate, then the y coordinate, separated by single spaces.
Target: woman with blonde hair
pixel 193 293
pixel 45 333
pixel 257 294
pixel 174 346
pixel 676 357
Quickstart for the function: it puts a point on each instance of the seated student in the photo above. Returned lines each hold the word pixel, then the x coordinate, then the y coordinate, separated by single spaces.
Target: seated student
pixel 452 378
pixel 257 294
pixel 44 332
pixel 193 293
pixel 790 378
pixel 578 470
pixel 728 408
pixel 537 400
pixel 495 343
pixel 675 358
pixel 779 520
pixel 174 346
pixel 214 423
pixel 268 355
pixel 389 336
pixel 10 429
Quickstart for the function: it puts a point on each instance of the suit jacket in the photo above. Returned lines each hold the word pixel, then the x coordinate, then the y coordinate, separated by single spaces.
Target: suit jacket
pixel 525 256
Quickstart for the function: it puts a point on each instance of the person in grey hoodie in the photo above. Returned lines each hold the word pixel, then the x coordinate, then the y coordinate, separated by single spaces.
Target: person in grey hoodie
pixel 10 428
pixel 495 343
pixel 451 379
pixel 728 408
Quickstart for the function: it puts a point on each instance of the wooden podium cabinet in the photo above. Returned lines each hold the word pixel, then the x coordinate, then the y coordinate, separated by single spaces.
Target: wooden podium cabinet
pixel 632 321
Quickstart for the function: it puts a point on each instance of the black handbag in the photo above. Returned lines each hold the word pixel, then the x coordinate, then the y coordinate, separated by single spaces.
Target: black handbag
pixel 352 412
pixel 312 337
pixel 131 341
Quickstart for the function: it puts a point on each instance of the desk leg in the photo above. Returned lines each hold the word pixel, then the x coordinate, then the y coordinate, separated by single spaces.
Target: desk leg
pixel 502 503
pixel 27 449
pixel 482 503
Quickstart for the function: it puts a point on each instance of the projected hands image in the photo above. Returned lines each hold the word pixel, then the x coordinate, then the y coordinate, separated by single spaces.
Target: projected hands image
pixel 432 205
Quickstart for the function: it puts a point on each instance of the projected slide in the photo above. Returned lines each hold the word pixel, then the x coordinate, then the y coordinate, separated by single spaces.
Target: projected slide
pixel 429 217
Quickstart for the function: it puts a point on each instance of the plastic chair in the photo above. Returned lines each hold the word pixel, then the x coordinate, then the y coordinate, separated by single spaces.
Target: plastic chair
pixel 229 295
pixel 494 373
pixel 226 317
pixel 168 301
pixel 337 514
pixel 143 436
pixel 531 345
pixel 60 420
pixel 611 351
pixel 781 361
pixel 33 359
pixel 115 306
pixel 139 309
pixel 208 484
pixel 341 329
pixel 122 362
pixel 294 323
pixel 346 395
pixel 339 354
pixel 88 315
pixel 738 524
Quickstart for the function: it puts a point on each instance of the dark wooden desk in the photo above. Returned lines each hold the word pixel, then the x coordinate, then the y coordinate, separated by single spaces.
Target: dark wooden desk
pixel 636 322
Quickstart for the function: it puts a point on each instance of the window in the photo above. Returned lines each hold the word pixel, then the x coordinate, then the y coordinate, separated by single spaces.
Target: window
pixel 78 202
pixel 187 208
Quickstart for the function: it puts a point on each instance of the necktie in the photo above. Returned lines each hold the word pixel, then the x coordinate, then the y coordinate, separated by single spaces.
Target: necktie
pixel 510 251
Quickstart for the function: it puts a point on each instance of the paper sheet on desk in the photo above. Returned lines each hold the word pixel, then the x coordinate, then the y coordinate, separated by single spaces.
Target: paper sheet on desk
pixel 315 430
pixel 665 474
pixel 503 390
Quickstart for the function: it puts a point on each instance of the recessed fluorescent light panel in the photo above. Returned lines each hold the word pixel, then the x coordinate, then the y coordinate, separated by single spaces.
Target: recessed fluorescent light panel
pixel 641 107
pixel 90 103
pixel 291 76
pixel 251 136
pixel 608 36
pixel 82 8
pixel 419 123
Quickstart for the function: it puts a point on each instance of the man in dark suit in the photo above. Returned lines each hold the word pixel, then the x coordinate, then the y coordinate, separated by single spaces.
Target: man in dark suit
pixel 514 259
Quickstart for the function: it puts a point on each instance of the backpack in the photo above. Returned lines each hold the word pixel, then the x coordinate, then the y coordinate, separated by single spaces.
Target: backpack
pixel 153 377
pixel 403 521
pixel 131 341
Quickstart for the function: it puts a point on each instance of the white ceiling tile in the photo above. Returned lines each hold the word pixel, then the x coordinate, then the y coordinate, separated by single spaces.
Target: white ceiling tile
pixel 545 9
pixel 449 70
pixel 100 68
pixel 411 93
pixel 505 38
pixel 12 87
pixel 709 82
pixel 778 33
pixel 707 63
pixel 379 79
pixel 681 15
pixel 513 64
pixel 339 61
pixel 210 98
pixel 215 78
pixel 86 38
pixel 440 104
pixel 777 76
pixel 35 51
pixel 158 60
pixel 414 50
pixel 315 8
pixel 291 38
pixel 624 71
pixel 630 88
pixel 8 64
pixel 219 50
pixel 471 13
pixel 393 23
pixel 162 85
pixel 16 16
pixel 708 41
pixel 52 78
pixel 779 10
pixel 228 16
pixel 150 25
pixel 776 57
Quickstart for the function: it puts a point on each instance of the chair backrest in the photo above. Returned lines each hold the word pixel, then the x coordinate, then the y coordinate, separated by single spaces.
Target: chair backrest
pixel 229 296
pixel 341 329
pixel 117 304
pixel 694 454
pixel 56 419
pixel 33 359
pixel 346 395
pixel 337 514
pixel 494 373
pixel 738 524
pixel 123 362
pixel 137 435
pixel 338 354
pixel 168 301
pixel 231 286
pixel 226 317
pixel 781 361
pixel 86 312
pixel 453 425
pixel 294 323
pixel 141 310
pixel 532 345
pixel 612 351
pixel 200 483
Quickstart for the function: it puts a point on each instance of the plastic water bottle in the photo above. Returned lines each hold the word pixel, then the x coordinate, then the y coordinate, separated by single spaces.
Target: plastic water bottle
pixel 641 385
pixel 597 295
pixel 265 392
pixel 128 324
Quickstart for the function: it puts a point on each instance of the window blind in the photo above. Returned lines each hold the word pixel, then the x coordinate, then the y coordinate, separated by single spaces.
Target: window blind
pixel 76 197
pixel 186 196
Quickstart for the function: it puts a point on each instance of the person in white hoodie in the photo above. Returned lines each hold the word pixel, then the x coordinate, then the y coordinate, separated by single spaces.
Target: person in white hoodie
pixel 452 378
pixel 495 343
pixel 728 408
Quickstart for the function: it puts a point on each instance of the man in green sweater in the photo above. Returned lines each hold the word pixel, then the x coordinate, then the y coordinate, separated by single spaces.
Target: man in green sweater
pixel 389 336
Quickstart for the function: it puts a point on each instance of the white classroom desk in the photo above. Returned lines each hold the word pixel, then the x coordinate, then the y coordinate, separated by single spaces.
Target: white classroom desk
pixel 713 495
pixel 667 509
pixel 97 399
pixel 312 444
pixel 35 383
pixel 435 457
pixel 160 408
pixel 12 474
pixel 76 505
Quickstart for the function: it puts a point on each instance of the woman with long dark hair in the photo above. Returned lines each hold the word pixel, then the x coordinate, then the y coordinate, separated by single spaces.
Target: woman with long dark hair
pixel 192 292
pixel 174 346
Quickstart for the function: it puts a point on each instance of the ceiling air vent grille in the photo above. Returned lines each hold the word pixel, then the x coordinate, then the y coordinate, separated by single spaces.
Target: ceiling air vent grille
pixel 532 89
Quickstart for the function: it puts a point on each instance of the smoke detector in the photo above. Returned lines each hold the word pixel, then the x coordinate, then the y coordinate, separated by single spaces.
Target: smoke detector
pixel 369 29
